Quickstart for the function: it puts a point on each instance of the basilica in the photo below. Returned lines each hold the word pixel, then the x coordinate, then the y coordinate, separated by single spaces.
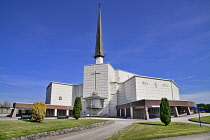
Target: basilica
pixel 106 91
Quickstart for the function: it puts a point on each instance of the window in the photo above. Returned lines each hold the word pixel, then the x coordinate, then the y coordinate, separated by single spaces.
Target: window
pixel 95 103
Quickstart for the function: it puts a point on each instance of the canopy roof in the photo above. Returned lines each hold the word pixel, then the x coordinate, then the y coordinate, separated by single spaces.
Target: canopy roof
pixel 95 96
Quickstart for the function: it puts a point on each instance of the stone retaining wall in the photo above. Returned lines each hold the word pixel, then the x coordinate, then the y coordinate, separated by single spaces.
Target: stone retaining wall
pixel 61 131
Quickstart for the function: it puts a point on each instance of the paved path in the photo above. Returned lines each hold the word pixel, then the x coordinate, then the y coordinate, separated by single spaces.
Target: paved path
pixel 4 117
pixel 101 133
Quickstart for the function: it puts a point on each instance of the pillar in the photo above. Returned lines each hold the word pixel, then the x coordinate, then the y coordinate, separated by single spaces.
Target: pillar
pixel 176 114
pixel 13 113
pixel 67 112
pixel 125 112
pixel 55 112
pixel 188 111
pixel 131 110
pixel 146 113
pixel 120 113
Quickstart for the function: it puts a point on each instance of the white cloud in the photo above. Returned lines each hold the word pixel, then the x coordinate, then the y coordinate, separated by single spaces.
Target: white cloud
pixel 20 81
pixel 202 97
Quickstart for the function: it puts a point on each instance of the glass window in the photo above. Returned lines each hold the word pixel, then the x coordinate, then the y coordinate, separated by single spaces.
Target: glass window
pixel 95 103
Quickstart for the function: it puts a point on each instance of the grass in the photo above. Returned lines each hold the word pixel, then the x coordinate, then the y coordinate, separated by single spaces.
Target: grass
pixel 17 128
pixel 205 119
pixel 154 130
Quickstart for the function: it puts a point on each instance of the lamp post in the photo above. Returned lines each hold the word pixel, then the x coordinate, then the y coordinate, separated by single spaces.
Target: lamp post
pixel 90 108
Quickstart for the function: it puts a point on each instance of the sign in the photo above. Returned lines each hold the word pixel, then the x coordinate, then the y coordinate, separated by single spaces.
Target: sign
pixel 200 110
pixel 60 98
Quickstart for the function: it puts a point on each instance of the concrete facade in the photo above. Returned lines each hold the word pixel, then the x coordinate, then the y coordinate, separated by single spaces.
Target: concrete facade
pixel 62 94
pixel 116 86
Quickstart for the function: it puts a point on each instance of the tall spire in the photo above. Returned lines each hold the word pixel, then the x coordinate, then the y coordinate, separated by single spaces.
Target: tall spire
pixel 99 50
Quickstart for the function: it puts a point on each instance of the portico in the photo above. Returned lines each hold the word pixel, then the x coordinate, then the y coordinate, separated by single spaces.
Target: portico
pixel 52 110
pixel 145 109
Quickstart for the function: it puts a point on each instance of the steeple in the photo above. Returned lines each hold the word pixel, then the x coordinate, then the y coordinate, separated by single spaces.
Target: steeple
pixel 99 50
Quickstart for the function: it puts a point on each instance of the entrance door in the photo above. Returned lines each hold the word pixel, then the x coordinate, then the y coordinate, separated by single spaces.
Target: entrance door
pixel 138 113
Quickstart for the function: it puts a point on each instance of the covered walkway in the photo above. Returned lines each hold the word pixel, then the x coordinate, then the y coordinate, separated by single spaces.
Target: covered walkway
pixel 146 109
pixel 52 110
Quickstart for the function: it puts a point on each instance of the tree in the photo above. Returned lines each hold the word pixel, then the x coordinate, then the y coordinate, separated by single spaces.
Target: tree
pixel 201 105
pixel 165 115
pixel 7 105
pixel 77 108
pixel 38 110
pixel 207 108
pixel 1 106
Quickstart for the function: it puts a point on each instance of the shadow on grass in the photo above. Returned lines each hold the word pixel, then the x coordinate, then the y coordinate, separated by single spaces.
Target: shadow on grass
pixel 151 124
pixel 32 121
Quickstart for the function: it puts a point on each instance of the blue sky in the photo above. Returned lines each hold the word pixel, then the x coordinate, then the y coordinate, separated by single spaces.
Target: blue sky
pixel 51 40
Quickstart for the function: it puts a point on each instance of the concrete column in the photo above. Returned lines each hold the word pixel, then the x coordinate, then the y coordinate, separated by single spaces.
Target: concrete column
pixel 131 109
pixel 13 113
pixel 125 112
pixel 176 114
pixel 146 113
pixel 67 112
pixel 55 112
pixel 120 113
pixel 99 60
pixel 188 111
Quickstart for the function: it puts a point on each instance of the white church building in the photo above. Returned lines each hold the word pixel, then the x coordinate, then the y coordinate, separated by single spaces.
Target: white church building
pixel 104 87
pixel 110 92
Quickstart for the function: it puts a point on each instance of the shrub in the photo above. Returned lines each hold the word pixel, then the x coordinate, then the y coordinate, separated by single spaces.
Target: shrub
pixel 77 108
pixel 165 115
pixel 38 110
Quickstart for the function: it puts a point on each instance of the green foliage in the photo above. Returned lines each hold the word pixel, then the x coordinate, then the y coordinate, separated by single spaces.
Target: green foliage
pixel 165 115
pixel 77 108
pixel 38 110
pixel 206 107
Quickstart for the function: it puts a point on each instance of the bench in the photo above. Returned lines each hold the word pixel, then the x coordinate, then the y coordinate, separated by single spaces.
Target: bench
pixel 62 117
pixel 25 116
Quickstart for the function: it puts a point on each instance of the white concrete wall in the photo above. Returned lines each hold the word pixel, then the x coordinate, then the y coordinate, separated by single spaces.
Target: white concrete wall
pixel 130 90
pixel 121 94
pixel 122 76
pixel 175 92
pixel 102 86
pixel 113 99
pixel 77 92
pixel 149 88
pixel 48 94
pixel 63 90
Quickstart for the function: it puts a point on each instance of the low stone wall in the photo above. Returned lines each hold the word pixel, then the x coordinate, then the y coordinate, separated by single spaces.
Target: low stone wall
pixel 61 131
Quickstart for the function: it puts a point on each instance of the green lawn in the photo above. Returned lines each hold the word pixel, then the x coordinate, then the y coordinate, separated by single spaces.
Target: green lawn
pixel 205 119
pixel 154 130
pixel 17 128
